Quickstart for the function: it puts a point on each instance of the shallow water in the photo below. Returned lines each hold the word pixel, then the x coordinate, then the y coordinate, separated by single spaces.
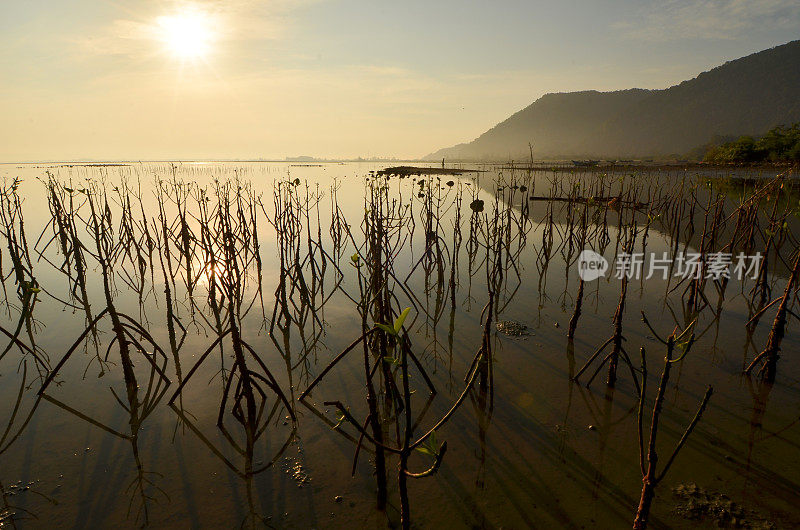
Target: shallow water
pixel 535 450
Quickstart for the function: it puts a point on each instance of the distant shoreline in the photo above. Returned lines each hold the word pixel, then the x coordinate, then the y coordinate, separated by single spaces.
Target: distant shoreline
pixel 542 165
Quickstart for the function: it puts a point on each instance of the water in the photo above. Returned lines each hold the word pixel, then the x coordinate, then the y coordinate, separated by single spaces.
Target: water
pixel 537 450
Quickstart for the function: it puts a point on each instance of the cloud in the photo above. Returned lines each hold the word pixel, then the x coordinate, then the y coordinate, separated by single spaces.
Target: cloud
pixel 709 19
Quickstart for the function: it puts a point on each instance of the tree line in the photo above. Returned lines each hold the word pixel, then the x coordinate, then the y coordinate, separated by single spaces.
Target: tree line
pixel 780 144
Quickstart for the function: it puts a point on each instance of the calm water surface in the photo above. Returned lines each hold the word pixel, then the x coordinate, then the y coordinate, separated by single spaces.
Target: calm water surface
pixel 540 451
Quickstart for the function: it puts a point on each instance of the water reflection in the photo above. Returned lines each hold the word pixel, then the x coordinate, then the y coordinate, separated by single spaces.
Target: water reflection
pixel 240 296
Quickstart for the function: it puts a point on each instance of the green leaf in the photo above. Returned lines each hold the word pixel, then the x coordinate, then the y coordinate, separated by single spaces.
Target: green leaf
pixel 430 446
pixel 398 324
pixel 385 327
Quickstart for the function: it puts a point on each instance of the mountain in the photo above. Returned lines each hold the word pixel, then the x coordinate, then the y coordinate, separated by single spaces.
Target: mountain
pixel 745 96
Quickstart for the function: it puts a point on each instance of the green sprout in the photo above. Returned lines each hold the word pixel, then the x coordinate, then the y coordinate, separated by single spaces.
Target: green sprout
pixel 398 324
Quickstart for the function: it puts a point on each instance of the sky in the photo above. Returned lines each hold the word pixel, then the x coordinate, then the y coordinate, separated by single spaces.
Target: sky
pixel 247 79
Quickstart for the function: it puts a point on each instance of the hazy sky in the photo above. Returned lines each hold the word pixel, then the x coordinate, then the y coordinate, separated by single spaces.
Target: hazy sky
pixel 165 79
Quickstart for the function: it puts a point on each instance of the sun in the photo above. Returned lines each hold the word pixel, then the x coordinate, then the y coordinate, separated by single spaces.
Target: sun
pixel 186 35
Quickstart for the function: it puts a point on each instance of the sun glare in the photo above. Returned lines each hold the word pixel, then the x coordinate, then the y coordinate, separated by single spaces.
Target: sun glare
pixel 186 35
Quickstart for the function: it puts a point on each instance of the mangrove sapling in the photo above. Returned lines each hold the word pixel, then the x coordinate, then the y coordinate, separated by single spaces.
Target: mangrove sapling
pixel 648 457
pixel 617 349
pixel 506 238
pixel 573 322
pixel 161 242
pixel 291 211
pixel 761 291
pixel 721 284
pixel 65 208
pixel 127 332
pixel 697 280
pixel 227 239
pixel 214 265
pixel 185 238
pixel 454 272
pixel 249 386
pixel 300 272
pixel 426 442
pixel 769 356
pixel 135 248
pixel 373 416
pixel 373 290
pixel 229 245
pixel 12 229
pixel 382 227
